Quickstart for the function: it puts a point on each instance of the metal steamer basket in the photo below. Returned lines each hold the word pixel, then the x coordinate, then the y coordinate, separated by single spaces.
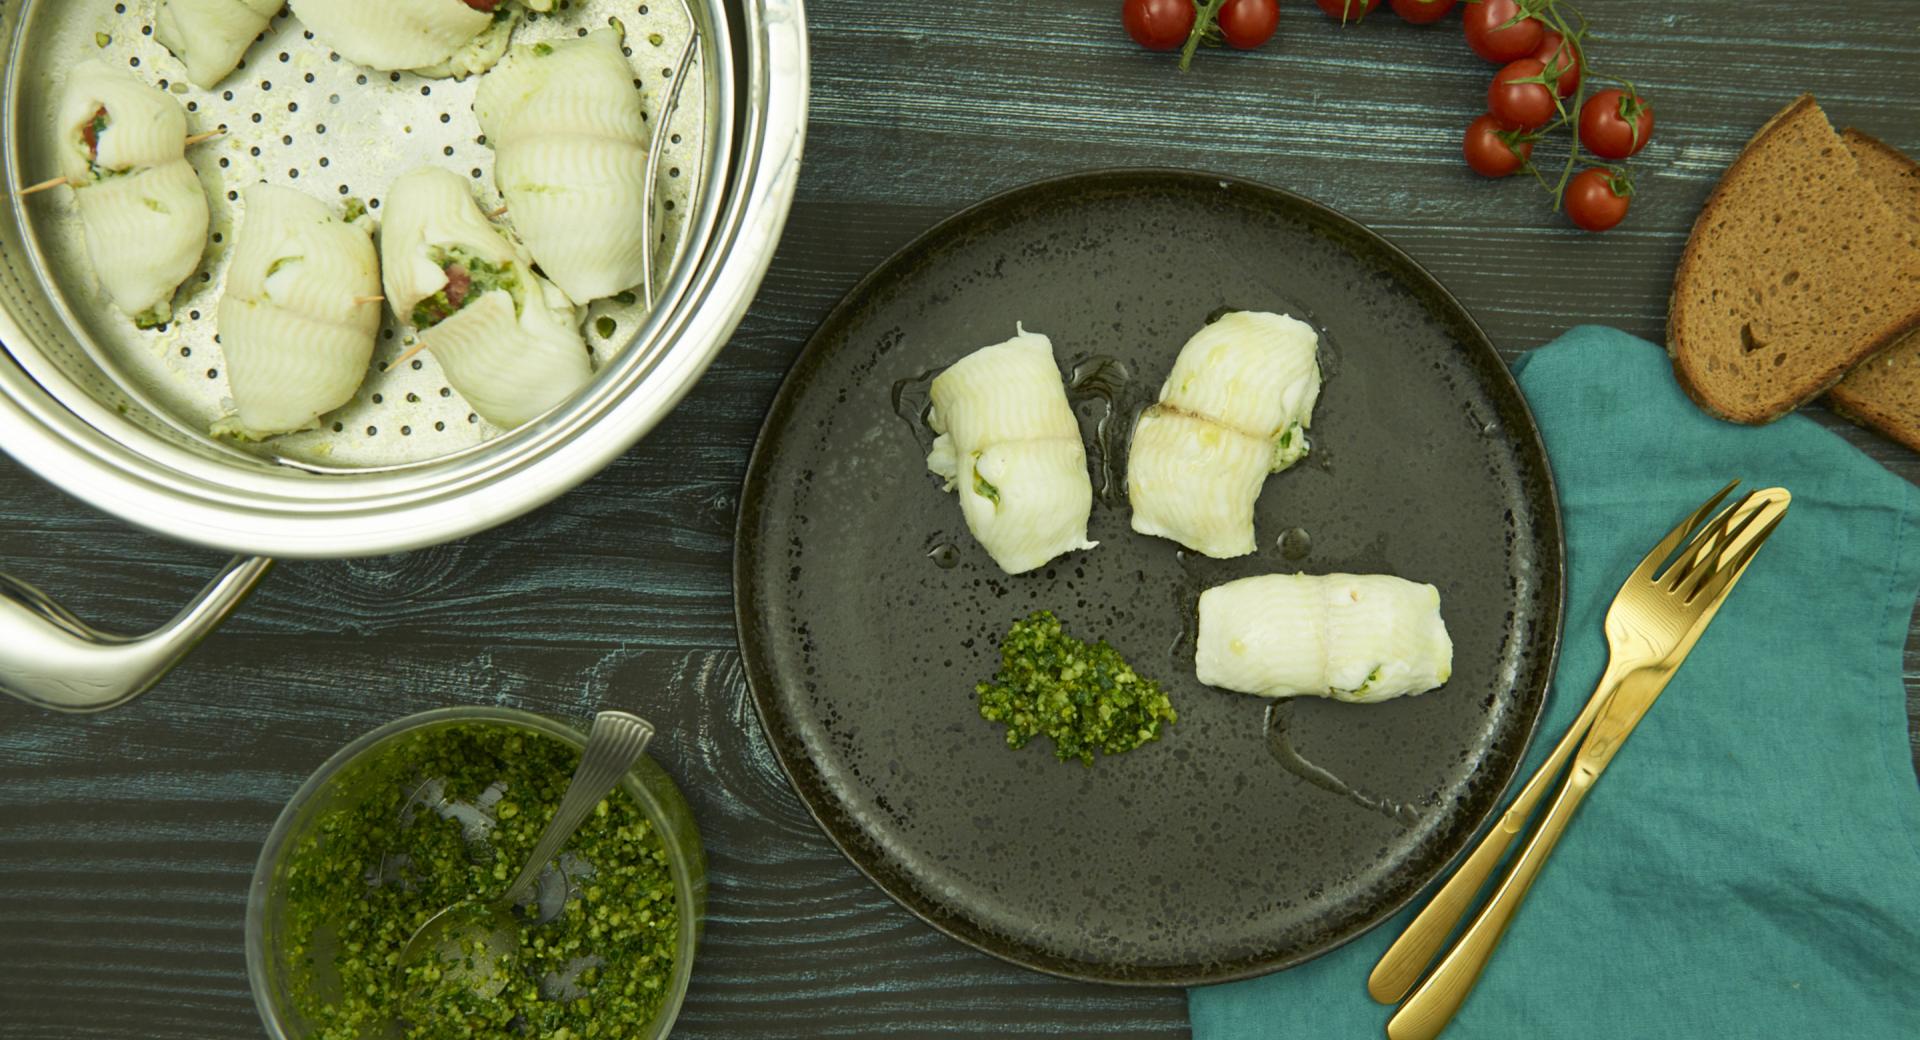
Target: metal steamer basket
pixel 118 416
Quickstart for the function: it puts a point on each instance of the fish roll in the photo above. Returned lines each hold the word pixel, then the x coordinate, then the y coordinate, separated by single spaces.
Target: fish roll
pixel 1236 408
pixel 299 315
pixel 567 123
pixel 435 38
pixel 1009 444
pixel 211 36
pixel 1361 638
pixel 124 151
pixel 508 340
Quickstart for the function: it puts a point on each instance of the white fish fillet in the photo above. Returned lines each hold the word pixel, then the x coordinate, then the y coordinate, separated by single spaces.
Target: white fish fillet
pixel 1235 408
pixel 568 125
pixel 297 343
pixel 211 36
pixel 143 207
pixel 392 35
pixel 1361 638
pixel 511 354
pixel 1009 444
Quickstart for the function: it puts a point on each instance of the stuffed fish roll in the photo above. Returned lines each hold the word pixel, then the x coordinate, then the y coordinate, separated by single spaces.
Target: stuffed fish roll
pixel 299 315
pixel 508 340
pixel 437 38
pixel 1352 637
pixel 1009 444
pixel 211 36
pixel 568 126
pixel 1235 409
pixel 124 151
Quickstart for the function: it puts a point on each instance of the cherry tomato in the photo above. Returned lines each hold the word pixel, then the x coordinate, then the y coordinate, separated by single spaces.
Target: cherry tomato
pixel 1561 60
pixel 1520 106
pixel 1423 12
pixel 1347 10
pixel 1246 24
pixel 1158 25
pixel 1596 199
pixel 1615 126
pixel 1488 39
pixel 1490 154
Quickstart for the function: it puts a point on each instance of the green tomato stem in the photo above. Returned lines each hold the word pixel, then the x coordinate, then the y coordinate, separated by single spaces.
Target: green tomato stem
pixel 1572 38
pixel 1200 25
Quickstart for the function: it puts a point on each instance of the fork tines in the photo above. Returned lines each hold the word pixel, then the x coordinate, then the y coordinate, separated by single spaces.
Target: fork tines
pixel 1716 556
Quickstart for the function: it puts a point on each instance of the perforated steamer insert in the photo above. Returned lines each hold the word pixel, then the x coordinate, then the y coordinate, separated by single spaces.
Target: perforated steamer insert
pixel 299 115
pixel 119 416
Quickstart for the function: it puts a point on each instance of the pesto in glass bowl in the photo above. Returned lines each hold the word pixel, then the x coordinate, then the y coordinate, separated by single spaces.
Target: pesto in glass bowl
pixel 442 807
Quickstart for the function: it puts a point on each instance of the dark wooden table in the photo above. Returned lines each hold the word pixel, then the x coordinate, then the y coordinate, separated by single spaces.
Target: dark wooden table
pixel 127 840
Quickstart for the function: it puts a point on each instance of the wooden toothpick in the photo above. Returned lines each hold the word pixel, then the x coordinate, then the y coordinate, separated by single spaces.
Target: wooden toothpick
pixel 40 187
pixel 58 181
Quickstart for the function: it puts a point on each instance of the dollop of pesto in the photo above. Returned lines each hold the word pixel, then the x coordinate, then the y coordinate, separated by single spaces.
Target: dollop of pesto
pixel 391 853
pixel 1084 696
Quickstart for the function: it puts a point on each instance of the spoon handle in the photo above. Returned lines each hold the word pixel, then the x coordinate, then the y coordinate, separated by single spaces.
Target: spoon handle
pixel 613 747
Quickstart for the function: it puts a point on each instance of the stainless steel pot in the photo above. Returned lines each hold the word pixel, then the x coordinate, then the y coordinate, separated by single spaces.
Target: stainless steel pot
pixel 117 416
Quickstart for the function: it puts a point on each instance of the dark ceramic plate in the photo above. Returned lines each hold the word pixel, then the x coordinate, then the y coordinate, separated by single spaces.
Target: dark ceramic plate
pixel 1246 839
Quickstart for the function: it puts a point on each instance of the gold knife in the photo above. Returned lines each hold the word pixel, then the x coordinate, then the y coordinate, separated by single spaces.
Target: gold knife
pixel 1439 997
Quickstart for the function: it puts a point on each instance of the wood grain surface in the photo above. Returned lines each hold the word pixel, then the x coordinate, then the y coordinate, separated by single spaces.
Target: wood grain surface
pixel 127 840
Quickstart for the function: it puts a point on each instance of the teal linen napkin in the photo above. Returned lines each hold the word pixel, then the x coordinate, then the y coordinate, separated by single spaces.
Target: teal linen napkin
pixel 1750 866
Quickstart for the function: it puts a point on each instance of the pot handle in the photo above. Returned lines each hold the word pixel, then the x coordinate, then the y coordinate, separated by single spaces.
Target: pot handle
pixel 51 658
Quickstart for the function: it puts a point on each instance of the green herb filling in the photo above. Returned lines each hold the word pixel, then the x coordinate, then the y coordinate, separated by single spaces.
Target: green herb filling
pixel 1367 683
pixel 1291 447
pixel 483 277
pixel 90 138
pixel 984 489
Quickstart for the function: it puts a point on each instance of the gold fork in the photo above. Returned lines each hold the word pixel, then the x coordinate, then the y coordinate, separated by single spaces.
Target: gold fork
pixel 1651 627
pixel 1400 967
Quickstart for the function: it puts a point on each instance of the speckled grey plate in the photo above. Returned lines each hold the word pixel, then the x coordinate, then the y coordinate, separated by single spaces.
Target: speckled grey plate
pixel 1245 840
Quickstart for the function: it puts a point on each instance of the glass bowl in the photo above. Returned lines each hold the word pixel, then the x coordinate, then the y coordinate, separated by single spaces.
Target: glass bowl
pixel 648 785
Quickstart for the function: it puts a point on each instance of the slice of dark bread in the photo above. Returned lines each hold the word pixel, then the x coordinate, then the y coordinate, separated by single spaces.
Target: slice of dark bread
pixel 1796 271
pixel 1884 391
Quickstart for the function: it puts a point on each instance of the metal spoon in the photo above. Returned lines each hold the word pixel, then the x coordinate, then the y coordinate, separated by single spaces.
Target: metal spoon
pixel 616 743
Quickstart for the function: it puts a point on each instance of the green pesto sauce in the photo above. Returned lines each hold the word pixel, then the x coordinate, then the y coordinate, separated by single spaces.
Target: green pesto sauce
pixel 1084 696
pixel 375 868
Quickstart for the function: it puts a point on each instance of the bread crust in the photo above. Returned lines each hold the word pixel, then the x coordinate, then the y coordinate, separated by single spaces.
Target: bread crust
pixel 1875 415
pixel 1685 362
pixel 1854 402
